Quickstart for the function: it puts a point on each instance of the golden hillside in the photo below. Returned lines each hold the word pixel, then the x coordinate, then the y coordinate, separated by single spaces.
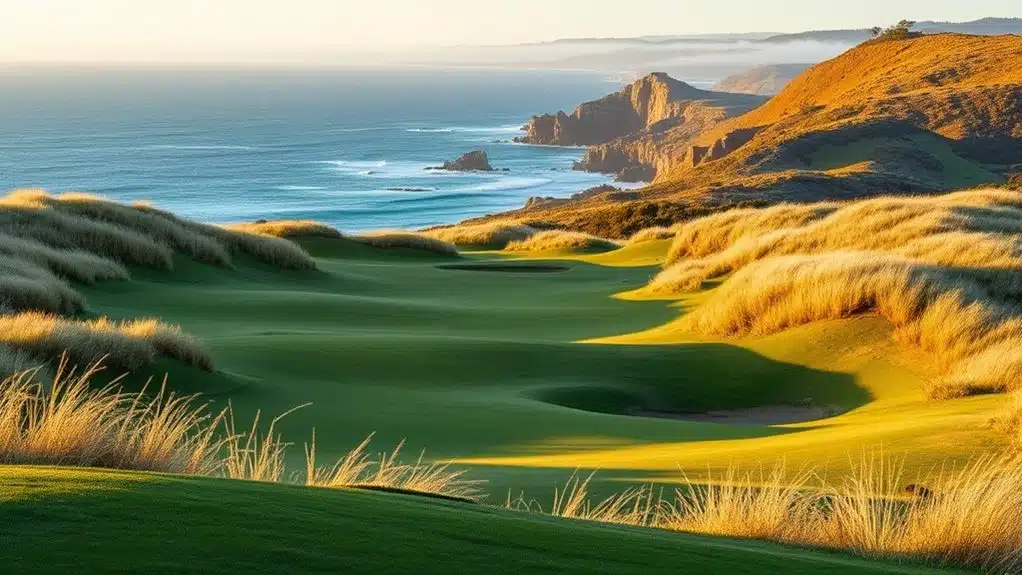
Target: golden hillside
pixel 923 115
pixel 948 94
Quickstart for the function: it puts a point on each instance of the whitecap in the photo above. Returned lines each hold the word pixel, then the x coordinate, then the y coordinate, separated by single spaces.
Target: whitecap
pixel 505 184
pixel 430 130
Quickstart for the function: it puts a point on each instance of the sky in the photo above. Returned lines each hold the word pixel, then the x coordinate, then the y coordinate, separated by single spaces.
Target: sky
pixel 256 30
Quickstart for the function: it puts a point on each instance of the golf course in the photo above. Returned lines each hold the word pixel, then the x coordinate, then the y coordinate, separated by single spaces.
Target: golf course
pixel 553 390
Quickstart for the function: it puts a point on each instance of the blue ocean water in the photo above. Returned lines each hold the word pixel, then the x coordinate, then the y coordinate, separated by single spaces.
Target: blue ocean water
pixel 340 146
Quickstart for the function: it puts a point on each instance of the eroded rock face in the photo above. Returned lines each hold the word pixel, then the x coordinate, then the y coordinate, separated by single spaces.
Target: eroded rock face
pixel 475 161
pixel 652 99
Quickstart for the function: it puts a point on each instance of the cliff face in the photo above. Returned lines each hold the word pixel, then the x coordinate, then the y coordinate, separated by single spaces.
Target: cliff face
pixel 640 130
pixel 640 105
pixel 643 155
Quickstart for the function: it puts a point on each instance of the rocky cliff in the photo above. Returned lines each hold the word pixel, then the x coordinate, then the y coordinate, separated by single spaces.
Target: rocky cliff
pixel 638 131
pixel 652 99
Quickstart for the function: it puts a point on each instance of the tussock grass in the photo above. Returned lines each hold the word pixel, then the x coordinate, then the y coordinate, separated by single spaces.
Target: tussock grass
pixel 1009 422
pixel 967 516
pixel 654 234
pixel 287 229
pixel 71 424
pixel 944 270
pixel 128 345
pixel 637 506
pixel 717 232
pixel 391 239
pixel 46 240
pixel 359 469
pixel 561 240
pixel 63 420
pixel 495 235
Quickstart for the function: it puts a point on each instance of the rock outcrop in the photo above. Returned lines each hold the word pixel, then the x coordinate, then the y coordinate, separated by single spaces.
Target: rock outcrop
pixel 647 101
pixel 475 161
pixel 641 130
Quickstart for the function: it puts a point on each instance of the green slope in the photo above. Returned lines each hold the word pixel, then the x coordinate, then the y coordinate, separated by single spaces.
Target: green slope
pixel 83 521
pixel 489 367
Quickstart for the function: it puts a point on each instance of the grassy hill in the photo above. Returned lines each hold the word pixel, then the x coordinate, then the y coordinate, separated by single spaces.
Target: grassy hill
pixel 921 115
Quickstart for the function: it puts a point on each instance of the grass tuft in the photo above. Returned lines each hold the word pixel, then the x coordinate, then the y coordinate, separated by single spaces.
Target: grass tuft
pixel 396 239
pixel 561 240
pixel 69 423
pixel 494 235
pixel 287 229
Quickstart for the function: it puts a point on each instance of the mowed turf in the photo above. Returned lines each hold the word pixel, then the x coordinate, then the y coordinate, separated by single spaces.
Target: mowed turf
pixel 528 376
pixel 86 521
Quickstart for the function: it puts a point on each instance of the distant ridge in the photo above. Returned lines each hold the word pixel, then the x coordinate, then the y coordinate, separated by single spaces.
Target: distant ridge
pixel 981 27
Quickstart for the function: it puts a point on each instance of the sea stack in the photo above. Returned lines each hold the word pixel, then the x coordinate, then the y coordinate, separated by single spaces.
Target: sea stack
pixel 475 161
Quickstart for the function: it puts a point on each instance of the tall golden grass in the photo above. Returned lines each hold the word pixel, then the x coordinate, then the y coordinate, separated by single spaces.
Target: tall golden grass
pixel 287 229
pixel 965 516
pixel 944 270
pixel 561 240
pixel 64 420
pixel 86 238
pixel 128 345
pixel 654 234
pixel 495 235
pixel 1009 422
pixel 359 469
pixel 398 239
pixel 69 423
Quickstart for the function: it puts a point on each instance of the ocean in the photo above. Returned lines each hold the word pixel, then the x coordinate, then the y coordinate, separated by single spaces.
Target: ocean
pixel 345 147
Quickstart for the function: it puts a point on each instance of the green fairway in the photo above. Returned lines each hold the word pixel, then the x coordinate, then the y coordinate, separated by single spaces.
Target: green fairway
pixel 490 367
pixel 83 521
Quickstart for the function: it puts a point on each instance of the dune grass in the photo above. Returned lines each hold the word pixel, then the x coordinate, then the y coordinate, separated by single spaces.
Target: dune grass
pixel 653 234
pixel 561 240
pixel 944 270
pixel 69 423
pixel 66 421
pixel 1009 422
pixel 128 345
pixel 87 238
pixel 963 516
pixel 49 240
pixel 358 469
pixel 398 239
pixel 495 235
pixel 287 229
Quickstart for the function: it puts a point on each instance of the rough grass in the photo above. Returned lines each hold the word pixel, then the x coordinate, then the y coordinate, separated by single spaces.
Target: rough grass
pixel 1009 422
pixel 361 470
pixel 495 235
pixel 653 234
pixel 128 345
pixel 66 421
pixel 70 423
pixel 561 240
pixel 397 239
pixel 287 229
pixel 967 519
pixel 46 240
pixel 944 270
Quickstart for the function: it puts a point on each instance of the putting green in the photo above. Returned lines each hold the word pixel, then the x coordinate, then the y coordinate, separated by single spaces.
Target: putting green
pixel 528 376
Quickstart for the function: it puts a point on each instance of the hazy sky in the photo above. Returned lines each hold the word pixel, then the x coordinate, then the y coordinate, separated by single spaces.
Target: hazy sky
pixel 237 30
